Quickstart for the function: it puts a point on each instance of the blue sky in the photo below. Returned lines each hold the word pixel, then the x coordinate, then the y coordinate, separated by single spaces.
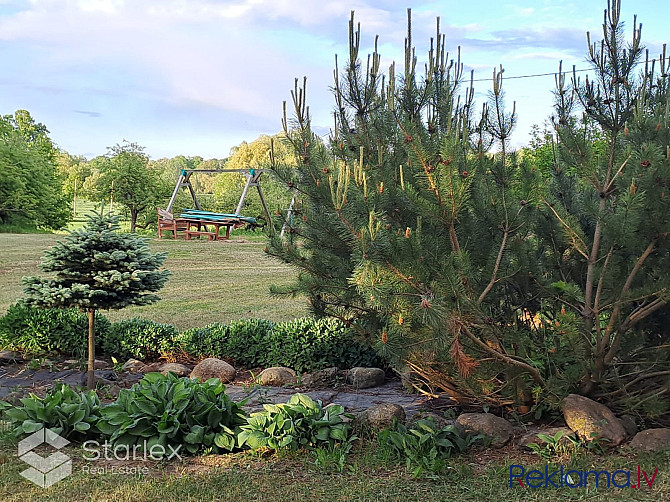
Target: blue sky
pixel 196 77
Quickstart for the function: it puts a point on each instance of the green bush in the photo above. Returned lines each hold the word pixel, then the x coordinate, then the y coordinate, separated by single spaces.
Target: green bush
pixel 172 412
pixel 63 410
pixel 295 424
pixel 139 338
pixel 249 342
pixel 304 344
pixel 309 344
pixel 36 331
pixel 207 341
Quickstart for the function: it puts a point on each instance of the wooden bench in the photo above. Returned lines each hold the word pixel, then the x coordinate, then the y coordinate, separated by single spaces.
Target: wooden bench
pixel 190 233
pixel 166 222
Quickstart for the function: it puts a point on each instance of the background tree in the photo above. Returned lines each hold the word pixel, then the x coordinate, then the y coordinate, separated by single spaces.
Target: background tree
pixel 125 175
pixel 30 187
pixel 97 268
pixel 256 154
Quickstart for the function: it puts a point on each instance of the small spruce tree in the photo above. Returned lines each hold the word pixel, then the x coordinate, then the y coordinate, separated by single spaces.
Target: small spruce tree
pixel 97 267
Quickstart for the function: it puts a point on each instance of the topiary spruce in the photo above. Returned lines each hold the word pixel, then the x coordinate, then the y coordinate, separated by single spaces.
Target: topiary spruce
pixel 97 267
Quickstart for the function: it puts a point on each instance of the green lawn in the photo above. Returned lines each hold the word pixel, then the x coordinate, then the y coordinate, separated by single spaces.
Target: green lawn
pixel 210 282
pixel 295 477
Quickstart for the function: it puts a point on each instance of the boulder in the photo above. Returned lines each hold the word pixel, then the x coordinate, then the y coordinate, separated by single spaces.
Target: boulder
pixel 381 416
pixel 326 377
pixel 134 366
pixel 99 364
pixel 652 440
pixel 591 420
pixel 364 378
pixel 498 429
pixel 176 368
pixel 277 376
pixel 214 368
pixel 532 437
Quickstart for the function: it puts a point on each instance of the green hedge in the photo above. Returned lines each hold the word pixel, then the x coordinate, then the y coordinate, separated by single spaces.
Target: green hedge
pixel 36 331
pixel 304 344
pixel 139 338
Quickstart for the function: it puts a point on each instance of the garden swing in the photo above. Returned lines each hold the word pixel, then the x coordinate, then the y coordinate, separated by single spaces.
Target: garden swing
pixel 199 223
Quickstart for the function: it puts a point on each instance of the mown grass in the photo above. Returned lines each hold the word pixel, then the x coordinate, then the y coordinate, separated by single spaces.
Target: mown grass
pixel 210 281
pixel 295 477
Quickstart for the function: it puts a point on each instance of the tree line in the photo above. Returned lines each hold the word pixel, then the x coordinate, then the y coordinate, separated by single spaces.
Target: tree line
pixel 41 182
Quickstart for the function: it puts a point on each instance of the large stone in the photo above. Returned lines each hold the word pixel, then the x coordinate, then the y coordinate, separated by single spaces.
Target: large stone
pixel 364 378
pixel 277 376
pixel 134 366
pixel 651 440
pixel 532 437
pixel 498 429
pixel 99 364
pixel 176 368
pixel 381 416
pixel 214 368
pixel 591 420
pixel 326 377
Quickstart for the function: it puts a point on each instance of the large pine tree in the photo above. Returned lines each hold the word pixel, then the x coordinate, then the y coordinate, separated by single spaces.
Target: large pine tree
pixel 462 261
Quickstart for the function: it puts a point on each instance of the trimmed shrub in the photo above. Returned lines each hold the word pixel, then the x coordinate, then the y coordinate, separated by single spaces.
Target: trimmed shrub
pixel 249 342
pixel 37 331
pixel 304 344
pixel 208 341
pixel 309 344
pixel 139 338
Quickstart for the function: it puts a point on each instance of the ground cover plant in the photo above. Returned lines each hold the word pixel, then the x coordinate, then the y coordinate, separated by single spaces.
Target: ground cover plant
pixel 63 410
pixel 298 423
pixel 169 412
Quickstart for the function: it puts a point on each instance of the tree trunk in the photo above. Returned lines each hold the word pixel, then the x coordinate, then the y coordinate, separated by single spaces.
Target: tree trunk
pixel 90 375
pixel 133 220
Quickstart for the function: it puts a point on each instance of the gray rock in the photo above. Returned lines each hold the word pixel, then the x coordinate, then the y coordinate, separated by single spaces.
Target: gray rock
pixel 364 378
pixel 326 377
pixel 176 368
pixel 532 437
pixel 134 366
pixel 498 429
pixel 277 376
pixel 592 420
pixel 652 440
pixel 629 425
pixel 381 416
pixel 9 357
pixel 99 364
pixel 214 368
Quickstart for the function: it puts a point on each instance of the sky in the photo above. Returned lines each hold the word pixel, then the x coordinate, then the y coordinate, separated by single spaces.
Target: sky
pixel 197 77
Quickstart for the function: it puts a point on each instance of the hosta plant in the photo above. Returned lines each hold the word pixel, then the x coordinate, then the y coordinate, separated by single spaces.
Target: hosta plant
pixel 63 410
pixel 173 412
pixel 300 422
